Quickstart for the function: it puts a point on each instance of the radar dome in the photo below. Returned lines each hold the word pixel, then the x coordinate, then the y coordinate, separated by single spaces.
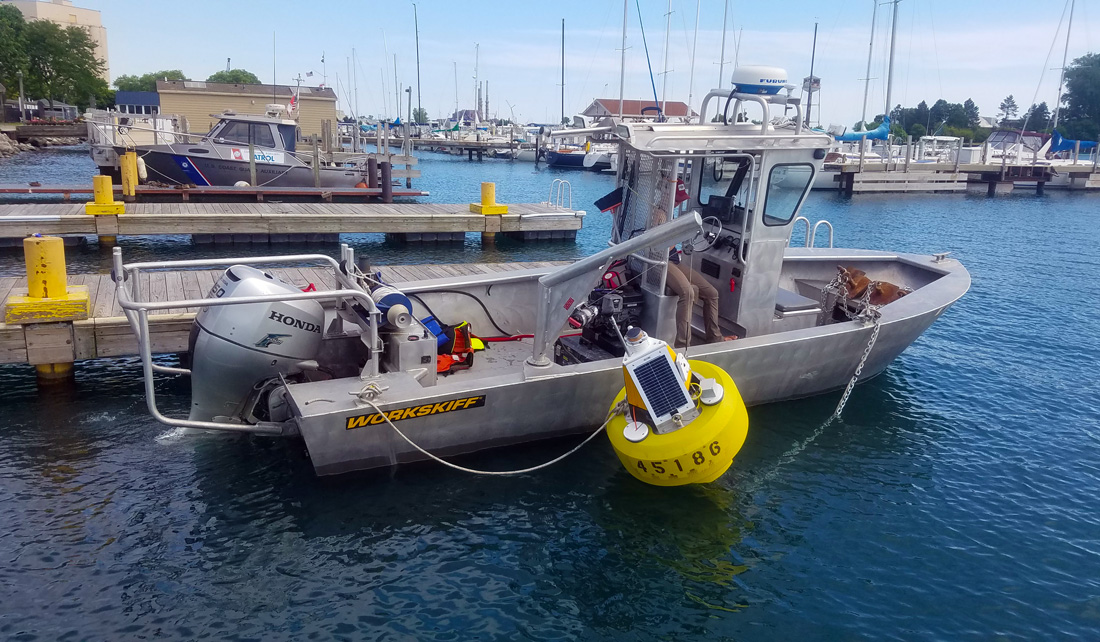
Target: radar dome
pixel 759 79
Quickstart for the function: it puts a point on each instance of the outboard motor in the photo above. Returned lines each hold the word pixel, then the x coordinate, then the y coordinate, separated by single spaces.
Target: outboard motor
pixel 235 347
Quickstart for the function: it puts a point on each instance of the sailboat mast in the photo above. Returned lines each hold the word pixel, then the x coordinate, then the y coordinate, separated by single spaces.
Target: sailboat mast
pixel 563 70
pixel 664 73
pixel 455 63
pixel 416 26
pixel 810 89
pixel 1062 78
pixel 622 63
pixel 396 88
pixel 722 58
pixel 890 72
pixel 870 53
pixel 691 74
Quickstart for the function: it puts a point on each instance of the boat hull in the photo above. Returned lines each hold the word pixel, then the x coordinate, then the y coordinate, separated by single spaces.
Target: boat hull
pixel 182 169
pixel 460 415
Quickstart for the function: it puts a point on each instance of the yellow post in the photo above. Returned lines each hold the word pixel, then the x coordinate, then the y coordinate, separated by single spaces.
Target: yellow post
pixel 128 164
pixel 45 260
pixel 47 307
pixel 488 205
pixel 104 203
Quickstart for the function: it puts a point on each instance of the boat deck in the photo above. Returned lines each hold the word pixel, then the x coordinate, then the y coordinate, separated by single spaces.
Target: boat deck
pixel 106 333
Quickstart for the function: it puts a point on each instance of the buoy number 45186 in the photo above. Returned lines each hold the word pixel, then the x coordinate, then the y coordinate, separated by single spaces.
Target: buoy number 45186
pixel 698 458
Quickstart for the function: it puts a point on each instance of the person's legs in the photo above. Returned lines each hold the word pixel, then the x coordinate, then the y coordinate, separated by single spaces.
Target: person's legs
pixel 709 296
pixel 682 287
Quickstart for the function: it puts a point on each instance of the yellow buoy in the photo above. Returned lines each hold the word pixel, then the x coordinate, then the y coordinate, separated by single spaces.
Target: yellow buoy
pixel 697 453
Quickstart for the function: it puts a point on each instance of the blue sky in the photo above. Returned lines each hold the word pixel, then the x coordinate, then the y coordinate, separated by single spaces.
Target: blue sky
pixel 957 49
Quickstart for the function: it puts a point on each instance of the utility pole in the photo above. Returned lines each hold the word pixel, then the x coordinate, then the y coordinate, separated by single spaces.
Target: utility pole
pixel 416 23
pixel 227 60
pixel 1062 78
pixel 22 106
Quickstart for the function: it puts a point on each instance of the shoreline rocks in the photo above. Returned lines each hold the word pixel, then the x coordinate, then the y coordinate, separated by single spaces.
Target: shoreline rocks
pixel 9 147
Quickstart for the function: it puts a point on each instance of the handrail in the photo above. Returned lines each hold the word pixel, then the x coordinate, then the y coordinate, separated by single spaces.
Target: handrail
pixel 813 238
pixel 561 290
pixel 564 188
pixel 795 222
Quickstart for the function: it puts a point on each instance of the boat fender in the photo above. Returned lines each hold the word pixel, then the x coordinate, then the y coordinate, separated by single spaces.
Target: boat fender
pixel 143 173
pixel 699 452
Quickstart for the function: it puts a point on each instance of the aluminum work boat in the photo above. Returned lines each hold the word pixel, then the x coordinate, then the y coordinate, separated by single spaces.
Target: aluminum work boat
pixel 368 375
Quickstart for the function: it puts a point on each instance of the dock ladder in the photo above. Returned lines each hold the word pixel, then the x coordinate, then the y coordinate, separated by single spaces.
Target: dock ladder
pixel 811 234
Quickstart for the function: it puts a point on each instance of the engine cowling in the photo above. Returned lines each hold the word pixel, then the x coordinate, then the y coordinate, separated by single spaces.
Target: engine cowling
pixel 235 347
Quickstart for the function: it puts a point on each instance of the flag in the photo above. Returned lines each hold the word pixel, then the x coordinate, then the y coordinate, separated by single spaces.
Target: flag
pixel 322 57
pixel 681 191
pixel 309 74
pixel 293 103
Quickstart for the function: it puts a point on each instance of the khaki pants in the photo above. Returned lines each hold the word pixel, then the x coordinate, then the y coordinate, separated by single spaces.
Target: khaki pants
pixel 691 287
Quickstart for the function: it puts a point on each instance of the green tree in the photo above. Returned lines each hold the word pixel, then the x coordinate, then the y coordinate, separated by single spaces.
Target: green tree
pixel 235 77
pixel 62 64
pixel 1082 97
pixel 147 82
pixel 1038 117
pixel 916 130
pixel 973 118
pixel 1008 109
pixel 420 115
pixel 13 47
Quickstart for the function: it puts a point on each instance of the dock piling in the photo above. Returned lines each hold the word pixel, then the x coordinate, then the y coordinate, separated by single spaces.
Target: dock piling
pixel 128 166
pixel 47 309
pixel 372 172
pixel 387 181
pixel 105 208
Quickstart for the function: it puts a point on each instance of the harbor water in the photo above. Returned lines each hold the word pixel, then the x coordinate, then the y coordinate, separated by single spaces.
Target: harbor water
pixel 955 500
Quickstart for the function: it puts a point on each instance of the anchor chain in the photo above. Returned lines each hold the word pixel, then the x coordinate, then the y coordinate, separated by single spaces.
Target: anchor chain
pixel 865 313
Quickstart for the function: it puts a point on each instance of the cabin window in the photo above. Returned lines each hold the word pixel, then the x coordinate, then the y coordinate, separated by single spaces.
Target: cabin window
pixel 235 132
pixel 261 135
pixel 288 136
pixel 787 186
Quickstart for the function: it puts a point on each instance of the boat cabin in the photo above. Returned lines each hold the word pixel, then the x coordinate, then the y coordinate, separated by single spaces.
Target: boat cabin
pixel 267 132
pixel 747 181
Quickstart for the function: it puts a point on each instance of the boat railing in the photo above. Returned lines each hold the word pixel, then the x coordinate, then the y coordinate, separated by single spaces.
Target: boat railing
pixel 813 235
pixel 562 289
pixel 137 311
pixel 802 219
pixel 561 194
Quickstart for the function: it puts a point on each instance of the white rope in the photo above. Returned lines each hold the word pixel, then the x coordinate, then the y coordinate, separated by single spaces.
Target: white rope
pixel 618 409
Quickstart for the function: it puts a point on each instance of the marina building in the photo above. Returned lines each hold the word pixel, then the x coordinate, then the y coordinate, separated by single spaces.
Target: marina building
pixel 198 100
pixel 64 14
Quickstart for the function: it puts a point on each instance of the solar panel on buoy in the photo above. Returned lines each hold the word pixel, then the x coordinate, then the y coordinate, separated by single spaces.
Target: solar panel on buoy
pixel 661 387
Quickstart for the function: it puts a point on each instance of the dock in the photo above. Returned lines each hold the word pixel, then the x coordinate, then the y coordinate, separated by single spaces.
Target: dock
pixel 215 194
pixel 107 333
pixel 269 222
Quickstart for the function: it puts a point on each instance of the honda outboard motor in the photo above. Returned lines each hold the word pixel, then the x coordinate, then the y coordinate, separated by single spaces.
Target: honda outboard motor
pixel 235 347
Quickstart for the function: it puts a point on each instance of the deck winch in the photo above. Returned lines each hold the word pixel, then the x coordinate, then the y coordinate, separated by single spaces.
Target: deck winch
pixel 685 421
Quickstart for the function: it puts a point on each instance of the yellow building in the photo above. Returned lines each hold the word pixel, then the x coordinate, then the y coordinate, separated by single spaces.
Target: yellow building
pixel 197 100
pixel 63 13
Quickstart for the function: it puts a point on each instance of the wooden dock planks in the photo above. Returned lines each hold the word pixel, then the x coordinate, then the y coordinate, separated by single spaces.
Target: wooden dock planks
pixel 156 219
pixel 107 332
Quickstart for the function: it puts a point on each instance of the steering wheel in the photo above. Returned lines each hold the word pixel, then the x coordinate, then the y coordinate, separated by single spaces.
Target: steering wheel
pixel 703 241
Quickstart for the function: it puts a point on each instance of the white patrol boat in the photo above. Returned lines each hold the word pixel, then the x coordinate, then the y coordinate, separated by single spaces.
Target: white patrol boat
pixel 359 374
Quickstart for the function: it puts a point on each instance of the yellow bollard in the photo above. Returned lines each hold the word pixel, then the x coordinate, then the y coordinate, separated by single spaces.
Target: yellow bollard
pixel 128 165
pixel 47 307
pixel 488 205
pixel 104 195
pixel 48 296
